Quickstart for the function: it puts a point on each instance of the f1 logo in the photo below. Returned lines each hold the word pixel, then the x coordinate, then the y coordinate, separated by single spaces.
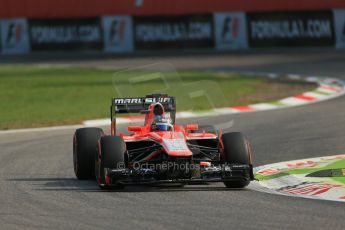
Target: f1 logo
pixel 13 34
pixel 230 31
pixel 231 27
pixel 117 31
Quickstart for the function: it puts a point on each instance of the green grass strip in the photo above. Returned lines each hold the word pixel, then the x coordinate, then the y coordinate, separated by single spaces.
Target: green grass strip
pixel 36 96
pixel 278 103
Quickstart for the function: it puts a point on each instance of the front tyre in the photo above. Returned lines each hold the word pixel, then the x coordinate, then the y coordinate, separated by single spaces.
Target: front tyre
pixel 236 150
pixel 84 149
pixel 111 155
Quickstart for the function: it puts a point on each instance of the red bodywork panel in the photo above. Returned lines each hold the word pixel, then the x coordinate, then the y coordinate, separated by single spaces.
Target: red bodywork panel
pixel 173 141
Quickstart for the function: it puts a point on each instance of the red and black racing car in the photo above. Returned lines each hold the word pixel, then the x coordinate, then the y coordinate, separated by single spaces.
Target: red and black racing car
pixel 160 151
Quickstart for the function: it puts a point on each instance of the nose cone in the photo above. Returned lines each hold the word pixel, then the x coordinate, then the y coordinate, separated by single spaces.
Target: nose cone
pixel 176 146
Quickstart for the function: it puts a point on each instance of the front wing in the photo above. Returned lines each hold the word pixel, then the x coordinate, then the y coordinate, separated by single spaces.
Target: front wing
pixel 221 173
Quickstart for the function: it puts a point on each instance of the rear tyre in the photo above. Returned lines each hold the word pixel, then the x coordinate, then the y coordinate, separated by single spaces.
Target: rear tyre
pixel 84 149
pixel 236 151
pixel 111 155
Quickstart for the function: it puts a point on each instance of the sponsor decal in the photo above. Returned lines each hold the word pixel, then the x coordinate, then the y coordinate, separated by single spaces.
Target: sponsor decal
pixel 117 33
pixel 120 101
pixel 339 22
pixel 268 172
pixel 310 28
pixel 14 36
pixel 309 189
pixel 155 100
pixel 175 144
pixel 319 183
pixel 65 34
pixel 301 164
pixel 173 32
pixel 230 31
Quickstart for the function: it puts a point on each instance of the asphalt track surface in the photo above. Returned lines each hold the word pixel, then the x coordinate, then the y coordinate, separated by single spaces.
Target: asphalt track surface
pixel 39 189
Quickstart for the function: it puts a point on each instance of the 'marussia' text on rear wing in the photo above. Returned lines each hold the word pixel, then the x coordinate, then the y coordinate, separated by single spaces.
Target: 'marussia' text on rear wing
pixel 138 104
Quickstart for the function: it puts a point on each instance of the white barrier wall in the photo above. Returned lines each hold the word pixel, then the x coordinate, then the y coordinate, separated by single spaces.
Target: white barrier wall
pixel 14 36
pixel 339 24
pixel 117 34
pixel 230 31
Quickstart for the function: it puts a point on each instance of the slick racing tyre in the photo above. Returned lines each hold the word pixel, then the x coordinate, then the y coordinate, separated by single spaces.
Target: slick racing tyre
pixel 236 151
pixel 84 149
pixel 111 155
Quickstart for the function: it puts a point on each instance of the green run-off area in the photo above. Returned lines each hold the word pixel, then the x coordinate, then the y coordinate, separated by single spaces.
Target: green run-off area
pixel 35 96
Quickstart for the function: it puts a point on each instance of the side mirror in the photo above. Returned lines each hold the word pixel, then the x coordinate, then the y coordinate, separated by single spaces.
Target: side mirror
pixel 134 128
pixel 191 127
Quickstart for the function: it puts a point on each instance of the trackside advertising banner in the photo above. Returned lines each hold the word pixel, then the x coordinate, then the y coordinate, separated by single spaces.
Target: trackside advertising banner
pixel 230 31
pixel 162 32
pixel 220 31
pixel 309 28
pixel 65 34
pixel 117 34
pixel 339 22
pixel 14 36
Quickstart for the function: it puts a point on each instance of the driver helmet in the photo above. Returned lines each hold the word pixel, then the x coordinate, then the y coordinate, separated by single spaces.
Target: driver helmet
pixel 161 124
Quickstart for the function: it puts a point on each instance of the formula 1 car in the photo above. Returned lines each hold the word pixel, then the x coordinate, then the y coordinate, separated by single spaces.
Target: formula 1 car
pixel 160 151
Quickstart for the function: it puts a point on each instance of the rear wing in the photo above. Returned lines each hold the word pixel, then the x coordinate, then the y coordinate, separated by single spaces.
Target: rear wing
pixel 139 104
